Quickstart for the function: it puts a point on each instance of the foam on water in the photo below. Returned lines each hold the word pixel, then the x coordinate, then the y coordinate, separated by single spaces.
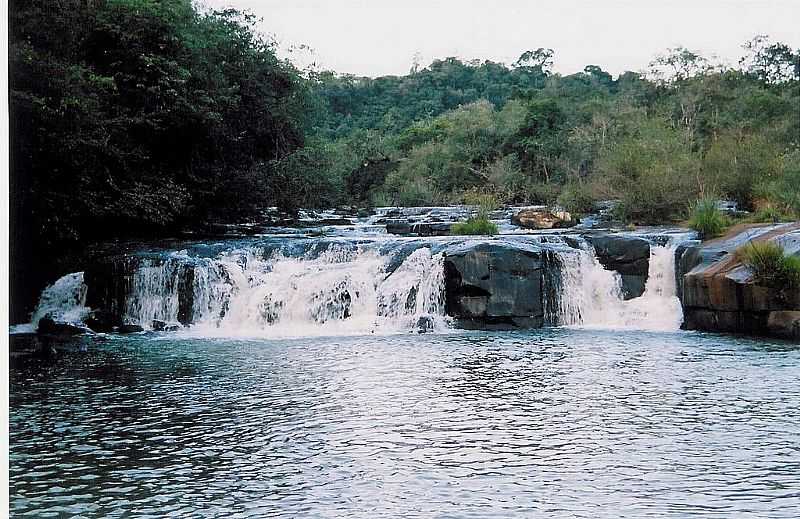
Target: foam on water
pixel 342 291
pixel 591 296
pixel 64 300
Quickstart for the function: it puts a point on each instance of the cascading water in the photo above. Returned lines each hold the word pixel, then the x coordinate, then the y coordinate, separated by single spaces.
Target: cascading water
pixel 64 300
pixel 591 296
pixel 343 290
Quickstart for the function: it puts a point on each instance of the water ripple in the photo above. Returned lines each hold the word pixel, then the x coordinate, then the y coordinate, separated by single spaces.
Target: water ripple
pixel 573 423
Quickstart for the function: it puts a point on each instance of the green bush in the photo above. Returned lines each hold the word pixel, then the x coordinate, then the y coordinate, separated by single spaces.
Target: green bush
pixel 770 265
pixel 707 219
pixel 769 214
pixel 479 225
pixel 576 198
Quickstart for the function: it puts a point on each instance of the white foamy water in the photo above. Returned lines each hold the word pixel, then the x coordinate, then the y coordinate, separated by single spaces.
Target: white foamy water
pixel 342 291
pixel 591 296
pixel 64 300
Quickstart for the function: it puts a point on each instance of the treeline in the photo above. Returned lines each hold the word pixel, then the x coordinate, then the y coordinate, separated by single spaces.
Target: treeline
pixel 687 129
pixel 141 117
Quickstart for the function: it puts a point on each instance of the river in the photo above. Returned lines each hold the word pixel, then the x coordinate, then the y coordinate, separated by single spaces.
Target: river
pixel 300 387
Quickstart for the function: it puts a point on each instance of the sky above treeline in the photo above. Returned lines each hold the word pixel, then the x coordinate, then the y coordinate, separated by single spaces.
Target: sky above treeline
pixel 377 37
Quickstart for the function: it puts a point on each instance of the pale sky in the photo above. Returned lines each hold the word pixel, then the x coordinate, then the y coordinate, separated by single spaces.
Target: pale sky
pixel 378 37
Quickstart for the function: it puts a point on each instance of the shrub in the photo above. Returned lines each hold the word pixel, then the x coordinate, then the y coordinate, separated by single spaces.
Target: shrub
pixel 783 190
pixel 707 219
pixel 770 265
pixel 576 198
pixel 480 225
pixel 769 214
pixel 486 202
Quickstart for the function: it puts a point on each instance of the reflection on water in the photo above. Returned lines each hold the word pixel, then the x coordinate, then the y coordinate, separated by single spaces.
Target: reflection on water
pixel 557 422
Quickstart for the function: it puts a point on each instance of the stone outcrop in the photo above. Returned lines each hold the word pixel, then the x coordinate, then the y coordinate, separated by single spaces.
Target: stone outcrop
pixel 49 325
pixel 543 219
pixel 719 294
pixel 628 255
pixel 494 285
pixel 430 228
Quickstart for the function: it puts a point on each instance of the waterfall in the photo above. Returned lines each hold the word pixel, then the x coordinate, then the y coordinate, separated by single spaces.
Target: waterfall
pixel 343 290
pixel 64 300
pixel 591 296
pixel 347 288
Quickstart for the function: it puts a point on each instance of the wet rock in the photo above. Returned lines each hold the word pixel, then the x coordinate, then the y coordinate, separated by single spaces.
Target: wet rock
pixel 784 324
pixel 628 255
pixel 102 321
pixel 335 221
pixel 424 324
pixel 543 219
pixel 398 227
pixel 49 325
pixel 130 328
pixel 158 325
pixel 434 227
pixel 719 294
pixel 494 285
pixel 431 228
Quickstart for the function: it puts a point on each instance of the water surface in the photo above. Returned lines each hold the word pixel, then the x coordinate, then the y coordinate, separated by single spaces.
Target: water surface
pixel 554 422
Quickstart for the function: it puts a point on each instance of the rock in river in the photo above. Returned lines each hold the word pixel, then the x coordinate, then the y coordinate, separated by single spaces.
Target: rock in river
pixel 494 285
pixel 543 219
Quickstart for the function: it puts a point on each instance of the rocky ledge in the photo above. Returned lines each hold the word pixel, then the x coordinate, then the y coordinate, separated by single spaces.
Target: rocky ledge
pixel 719 294
pixel 495 285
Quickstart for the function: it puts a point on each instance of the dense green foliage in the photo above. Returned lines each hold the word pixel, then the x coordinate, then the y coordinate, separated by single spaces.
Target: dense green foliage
pixel 770 265
pixel 657 143
pixel 143 114
pixel 707 219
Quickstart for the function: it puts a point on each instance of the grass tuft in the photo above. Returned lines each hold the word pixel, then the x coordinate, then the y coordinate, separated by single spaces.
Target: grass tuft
pixel 479 225
pixel 770 265
pixel 707 219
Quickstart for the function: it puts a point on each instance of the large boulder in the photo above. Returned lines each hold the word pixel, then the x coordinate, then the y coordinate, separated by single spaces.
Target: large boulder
pixel 543 219
pixel 494 285
pixel 49 325
pixel 718 293
pixel 628 255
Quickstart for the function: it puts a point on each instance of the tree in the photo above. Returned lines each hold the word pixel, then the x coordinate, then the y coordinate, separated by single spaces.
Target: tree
pixel 770 63
pixel 540 60
pixel 678 64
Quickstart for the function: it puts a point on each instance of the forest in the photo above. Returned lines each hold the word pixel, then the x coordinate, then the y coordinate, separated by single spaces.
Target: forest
pixel 134 118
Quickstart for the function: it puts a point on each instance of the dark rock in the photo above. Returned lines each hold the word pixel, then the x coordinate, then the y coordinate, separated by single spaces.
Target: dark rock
pixel 494 284
pixel 628 255
pixel 398 227
pixel 431 228
pixel 130 328
pixel 424 324
pixel 334 221
pixel 108 282
pixel 158 325
pixel 172 328
pixel 50 326
pixel 101 321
